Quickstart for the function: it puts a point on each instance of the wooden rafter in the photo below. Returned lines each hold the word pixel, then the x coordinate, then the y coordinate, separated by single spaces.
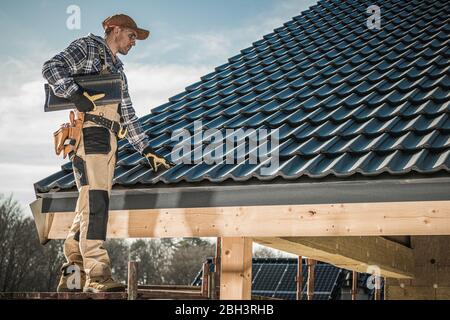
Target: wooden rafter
pixel 352 253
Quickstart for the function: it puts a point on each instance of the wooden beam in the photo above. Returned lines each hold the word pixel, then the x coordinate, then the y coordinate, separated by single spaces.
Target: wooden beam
pixel 43 221
pixel 345 219
pixel 352 253
pixel 236 268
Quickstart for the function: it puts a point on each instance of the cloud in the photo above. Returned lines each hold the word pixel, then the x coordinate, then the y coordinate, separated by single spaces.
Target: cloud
pixel 151 85
pixel 214 46
pixel 20 177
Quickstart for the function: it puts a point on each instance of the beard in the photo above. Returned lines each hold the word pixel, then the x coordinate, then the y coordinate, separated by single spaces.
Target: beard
pixel 124 50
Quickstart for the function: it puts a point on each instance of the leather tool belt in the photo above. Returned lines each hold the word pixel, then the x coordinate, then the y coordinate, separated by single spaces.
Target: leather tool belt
pixel 114 126
pixel 68 136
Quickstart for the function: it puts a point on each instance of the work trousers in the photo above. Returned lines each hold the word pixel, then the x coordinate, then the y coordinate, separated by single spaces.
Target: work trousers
pixel 93 166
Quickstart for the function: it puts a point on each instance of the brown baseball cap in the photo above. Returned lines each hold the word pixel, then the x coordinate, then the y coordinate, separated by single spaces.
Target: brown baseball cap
pixel 122 20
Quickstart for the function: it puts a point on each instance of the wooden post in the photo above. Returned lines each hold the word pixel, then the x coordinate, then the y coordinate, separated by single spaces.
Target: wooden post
pixel 205 277
pixel 212 285
pixel 377 288
pixel 354 285
pixel 299 278
pixel 132 280
pixel 310 283
pixel 236 268
pixel 217 266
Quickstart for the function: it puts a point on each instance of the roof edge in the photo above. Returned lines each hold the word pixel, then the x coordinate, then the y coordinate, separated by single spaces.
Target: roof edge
pixel 367 191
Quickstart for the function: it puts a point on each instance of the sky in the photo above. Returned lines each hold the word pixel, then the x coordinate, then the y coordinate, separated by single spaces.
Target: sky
pixel 188 39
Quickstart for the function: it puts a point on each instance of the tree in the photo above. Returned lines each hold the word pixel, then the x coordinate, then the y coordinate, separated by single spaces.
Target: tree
pixel 153 256
pixel 187 259
pixel 265 252
pixel 25 265
pixel 119 252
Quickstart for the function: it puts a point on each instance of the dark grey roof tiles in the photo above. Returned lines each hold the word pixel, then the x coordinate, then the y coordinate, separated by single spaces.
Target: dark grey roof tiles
pixel 346 99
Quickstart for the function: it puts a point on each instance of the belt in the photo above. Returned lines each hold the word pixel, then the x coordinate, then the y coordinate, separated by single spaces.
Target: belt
pixel 114 126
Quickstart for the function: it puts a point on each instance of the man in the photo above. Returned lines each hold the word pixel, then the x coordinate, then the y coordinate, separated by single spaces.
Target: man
pixel 95 157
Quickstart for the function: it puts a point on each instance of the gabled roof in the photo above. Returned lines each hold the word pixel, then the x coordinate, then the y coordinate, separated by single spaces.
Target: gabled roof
pixel 348 101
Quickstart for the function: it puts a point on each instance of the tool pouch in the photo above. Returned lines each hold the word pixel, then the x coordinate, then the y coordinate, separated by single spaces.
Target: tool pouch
pixel 60 138
pixel 68 136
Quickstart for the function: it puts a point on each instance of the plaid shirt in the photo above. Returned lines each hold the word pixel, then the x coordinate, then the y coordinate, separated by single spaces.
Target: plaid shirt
pixel 83 56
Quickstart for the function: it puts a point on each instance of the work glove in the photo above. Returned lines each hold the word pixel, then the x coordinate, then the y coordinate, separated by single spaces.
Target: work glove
pixel 84 101
pixel 155 160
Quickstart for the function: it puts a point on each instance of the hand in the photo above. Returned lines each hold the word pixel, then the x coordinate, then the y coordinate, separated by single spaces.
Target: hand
pixel 84 102
pixel 155 160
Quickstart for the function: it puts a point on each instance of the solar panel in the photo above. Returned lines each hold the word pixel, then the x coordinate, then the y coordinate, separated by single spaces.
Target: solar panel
pixel 275 278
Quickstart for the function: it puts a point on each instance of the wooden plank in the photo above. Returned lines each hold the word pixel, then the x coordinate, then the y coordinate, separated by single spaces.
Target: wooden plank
pixel 170 294
pixel 63 295
pixel 169 287
pixel 352 253
pixel 141 294
pixel 345 219
pixel 236 268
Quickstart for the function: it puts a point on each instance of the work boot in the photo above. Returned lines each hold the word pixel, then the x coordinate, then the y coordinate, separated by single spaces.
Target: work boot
pixel 68 281
pixel 97 285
